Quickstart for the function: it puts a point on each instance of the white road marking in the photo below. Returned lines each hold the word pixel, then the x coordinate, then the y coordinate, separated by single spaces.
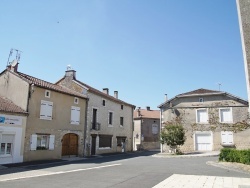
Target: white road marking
pixel 23 175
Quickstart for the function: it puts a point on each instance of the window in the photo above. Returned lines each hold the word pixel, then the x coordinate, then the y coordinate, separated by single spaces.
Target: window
pixel 121 121
pixel 42 142
pixel 121 141
pixel 47 94
pixel 201 100
pixel 94 118
pixel 226 137
pixel 105 141
pixel 201 116
pixel 154 128
pixel 46 110
pixel 110 118
pixel 76 100
pixel 6 144
pixel 75 115
pixel 103 102
pixel 122 107
pixel 226 115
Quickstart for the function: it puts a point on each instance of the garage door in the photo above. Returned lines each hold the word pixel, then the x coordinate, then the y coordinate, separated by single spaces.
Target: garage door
pixel 203 141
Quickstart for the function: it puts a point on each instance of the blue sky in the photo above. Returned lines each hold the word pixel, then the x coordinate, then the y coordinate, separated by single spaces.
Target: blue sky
pixel 143 49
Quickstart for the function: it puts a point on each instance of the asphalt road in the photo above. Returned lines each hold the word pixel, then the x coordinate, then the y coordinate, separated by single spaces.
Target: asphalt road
pixel 127 170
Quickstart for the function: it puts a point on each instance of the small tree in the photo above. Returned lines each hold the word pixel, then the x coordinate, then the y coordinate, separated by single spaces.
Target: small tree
pixel 173 136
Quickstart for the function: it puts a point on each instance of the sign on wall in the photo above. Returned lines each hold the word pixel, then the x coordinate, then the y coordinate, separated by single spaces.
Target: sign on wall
pixel 154 129
pixel 10 120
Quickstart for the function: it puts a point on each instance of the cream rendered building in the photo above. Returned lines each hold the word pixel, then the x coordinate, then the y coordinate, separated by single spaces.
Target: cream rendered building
pixel 56 122
pixel 109 119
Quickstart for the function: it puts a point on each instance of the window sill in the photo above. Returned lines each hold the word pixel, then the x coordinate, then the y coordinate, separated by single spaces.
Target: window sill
pixel 104 148
pixel 5 156
pixel 228 145
pixel 110 126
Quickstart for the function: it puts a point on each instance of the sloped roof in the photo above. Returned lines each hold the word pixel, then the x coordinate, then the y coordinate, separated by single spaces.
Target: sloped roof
pixel 200 91
pixel 8 106
pixel 204 92
pixel 44 84
pixel 154 114
pixel 100 93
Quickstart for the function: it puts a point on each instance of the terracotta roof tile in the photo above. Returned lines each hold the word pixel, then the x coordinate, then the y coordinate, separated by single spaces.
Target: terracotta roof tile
pixel 8 106
pixel 91 89
pixel 48 85
pixel 147 113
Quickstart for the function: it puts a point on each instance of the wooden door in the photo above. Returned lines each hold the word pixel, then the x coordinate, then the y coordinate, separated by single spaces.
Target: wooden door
pixel 70 144
pixel 93 145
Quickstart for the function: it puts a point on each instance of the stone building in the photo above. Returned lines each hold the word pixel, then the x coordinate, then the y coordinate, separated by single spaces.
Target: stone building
pixel 56 122
pixel 146 129
pixel 244 23
pixel 109 119
pixel 212 119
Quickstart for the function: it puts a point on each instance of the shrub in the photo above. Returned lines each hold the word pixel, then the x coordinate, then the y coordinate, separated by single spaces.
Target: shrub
pixel 233 155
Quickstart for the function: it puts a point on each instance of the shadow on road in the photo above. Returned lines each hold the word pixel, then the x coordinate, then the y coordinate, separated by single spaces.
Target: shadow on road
pixel 38 165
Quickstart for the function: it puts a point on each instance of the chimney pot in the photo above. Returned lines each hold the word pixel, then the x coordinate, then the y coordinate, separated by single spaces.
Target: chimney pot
pixel 105 90
pixel 148 108
pixel 116 94
pixel 166 97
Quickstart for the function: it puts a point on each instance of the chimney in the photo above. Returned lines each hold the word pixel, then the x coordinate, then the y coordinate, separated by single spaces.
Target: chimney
pixel 116 94
pixel 13 66
pixel 138 112
pixel 70 73
pixel 166 97
pixel 105 90
pixel 148 108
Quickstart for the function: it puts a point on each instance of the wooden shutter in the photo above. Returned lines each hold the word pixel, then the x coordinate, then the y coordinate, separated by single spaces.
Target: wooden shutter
pixel 33 142
pixel 223 137
pixel 75 115
pixel 230 138
pixel 51 142
pixel 227 137
pixel 226 115
pixel 46 110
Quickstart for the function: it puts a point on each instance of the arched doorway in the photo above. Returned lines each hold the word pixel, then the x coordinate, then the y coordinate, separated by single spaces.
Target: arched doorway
pixel 70 144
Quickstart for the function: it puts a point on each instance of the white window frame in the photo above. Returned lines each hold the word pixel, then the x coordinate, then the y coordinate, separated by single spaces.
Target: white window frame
pixel 197 118
pixel 46 112
pixel 231 114
pixel 227 138
pixel 47 92
pixel 75 115
pixel 76 100
pixel 50 144
pixel 9 140
pixel 112 121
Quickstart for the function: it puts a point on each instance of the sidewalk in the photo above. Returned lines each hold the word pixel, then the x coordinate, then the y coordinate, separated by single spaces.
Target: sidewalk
pixel 193 181
pixel 192 154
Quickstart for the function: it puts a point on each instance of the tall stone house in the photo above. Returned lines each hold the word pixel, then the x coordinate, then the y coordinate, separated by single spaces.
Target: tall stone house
pixel 109 119
pixel 243 7
pixel 146 129
pixel 12 131
pixel 212 119
pixel 55 123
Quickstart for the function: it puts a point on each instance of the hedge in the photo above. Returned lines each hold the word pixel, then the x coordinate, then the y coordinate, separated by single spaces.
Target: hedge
pixel 233 155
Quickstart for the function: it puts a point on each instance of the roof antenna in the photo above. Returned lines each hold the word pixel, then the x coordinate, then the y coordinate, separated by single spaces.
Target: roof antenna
pixel 18 55
pixel 219 84
pixel 68 67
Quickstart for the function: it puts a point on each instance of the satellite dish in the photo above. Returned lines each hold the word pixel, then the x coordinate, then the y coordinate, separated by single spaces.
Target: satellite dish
pixel 68 67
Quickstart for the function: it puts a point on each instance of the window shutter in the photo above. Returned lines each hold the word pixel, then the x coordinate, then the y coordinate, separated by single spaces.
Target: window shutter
pixel 202 116
pixel 49 110
pixel 33 141
pixel 230 137
pixel 223 137
pixel 75 115
pixel 46 110
pixel 51 142
pixel 43 110
pixel 226 115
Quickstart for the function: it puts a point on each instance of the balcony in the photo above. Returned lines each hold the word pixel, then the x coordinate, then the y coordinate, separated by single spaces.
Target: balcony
pixel 95 126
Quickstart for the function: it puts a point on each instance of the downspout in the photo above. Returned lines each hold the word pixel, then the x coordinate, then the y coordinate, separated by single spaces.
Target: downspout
pixel 133 128
pixel 85 129
pixel 161 128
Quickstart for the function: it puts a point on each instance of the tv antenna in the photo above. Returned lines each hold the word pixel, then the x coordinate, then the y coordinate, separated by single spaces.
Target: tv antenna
pixel 17 58
pixel 219 84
